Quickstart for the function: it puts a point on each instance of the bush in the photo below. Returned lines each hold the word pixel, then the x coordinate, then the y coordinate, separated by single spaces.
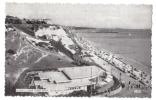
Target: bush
pixel 10 51
pixel 80 93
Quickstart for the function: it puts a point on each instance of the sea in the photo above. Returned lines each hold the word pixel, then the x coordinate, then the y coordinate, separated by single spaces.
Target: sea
pixel 132 45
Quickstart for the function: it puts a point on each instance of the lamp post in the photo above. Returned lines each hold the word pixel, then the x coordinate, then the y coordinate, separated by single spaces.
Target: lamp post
pixel 120 77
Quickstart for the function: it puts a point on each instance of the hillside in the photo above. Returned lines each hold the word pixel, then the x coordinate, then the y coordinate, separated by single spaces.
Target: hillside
pixel 34 44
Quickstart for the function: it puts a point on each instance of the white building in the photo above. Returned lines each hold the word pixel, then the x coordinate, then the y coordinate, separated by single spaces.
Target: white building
pixel 69 79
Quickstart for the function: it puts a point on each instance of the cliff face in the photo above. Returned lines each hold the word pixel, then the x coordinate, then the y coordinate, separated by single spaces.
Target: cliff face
pixel 24 51
pixel 31 49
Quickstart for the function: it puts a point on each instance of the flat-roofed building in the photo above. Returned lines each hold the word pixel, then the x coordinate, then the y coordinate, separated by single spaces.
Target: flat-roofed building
pixel 69 79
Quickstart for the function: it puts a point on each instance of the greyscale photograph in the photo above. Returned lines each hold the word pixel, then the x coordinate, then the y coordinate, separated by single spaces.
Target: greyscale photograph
pixel 78 50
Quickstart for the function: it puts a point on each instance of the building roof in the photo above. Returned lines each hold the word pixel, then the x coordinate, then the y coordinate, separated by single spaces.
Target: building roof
pixel 65 75
pixel 56 76
pixel 81 72
pixel 68 76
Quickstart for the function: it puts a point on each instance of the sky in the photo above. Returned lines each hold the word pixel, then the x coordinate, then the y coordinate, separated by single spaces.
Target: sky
pixel 86 15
